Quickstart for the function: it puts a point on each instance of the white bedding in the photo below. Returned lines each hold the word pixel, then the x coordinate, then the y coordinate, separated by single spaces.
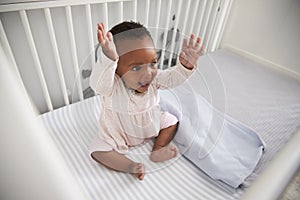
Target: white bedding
pixel 264 100
pixel 72 128
pixel 222 147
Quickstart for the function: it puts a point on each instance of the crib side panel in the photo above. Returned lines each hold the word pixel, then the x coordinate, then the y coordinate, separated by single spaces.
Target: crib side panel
pixel 52 42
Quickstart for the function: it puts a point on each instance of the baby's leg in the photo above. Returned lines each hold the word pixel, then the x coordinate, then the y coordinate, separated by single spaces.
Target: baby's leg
pixel 118 162
pixel 162 151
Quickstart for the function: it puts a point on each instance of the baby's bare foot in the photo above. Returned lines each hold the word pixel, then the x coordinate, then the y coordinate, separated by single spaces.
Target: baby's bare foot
pixel 164 153
pixel 138 170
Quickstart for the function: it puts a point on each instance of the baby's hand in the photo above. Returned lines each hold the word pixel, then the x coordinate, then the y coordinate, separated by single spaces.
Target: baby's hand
pixel 190 52
pixel 107 43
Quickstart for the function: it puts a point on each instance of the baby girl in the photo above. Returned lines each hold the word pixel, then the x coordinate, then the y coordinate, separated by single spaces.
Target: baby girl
pixel 127 78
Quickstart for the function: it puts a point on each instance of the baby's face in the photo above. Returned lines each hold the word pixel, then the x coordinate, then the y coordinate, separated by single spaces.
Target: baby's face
pixel 137 66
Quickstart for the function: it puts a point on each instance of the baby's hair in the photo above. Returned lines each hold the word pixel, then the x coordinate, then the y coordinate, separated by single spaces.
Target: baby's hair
pixel 129 30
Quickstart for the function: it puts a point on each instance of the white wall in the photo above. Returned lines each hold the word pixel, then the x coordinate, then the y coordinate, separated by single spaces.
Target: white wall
pixel 268 30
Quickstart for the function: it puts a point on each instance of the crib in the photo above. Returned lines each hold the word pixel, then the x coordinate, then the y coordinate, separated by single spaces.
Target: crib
pixel 47 54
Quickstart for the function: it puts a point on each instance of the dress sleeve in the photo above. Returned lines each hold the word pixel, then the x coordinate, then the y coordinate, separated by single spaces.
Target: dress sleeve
pixel 170 78
pixel 102 78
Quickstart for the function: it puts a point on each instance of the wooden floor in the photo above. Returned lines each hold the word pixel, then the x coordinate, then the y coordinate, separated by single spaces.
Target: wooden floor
pixel 293 190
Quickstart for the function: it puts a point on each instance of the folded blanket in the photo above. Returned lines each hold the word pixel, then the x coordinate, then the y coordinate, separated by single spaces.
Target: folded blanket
pixel 224 148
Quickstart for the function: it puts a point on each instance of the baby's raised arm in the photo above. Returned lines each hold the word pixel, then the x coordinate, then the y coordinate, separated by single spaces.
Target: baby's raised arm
pixel 188 58
pixel 190 52
pixel 103 73
pixel 106 42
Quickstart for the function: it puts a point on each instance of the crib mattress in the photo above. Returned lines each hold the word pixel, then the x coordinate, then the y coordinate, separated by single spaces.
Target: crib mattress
pixel 263 99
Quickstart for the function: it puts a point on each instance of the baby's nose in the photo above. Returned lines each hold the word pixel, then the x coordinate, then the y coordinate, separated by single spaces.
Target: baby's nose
pixel 151 68
pixel 148 71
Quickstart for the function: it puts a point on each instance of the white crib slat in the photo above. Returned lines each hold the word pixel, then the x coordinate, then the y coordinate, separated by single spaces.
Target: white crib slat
pixel 188 2
pixel 36 59
pixel 105 12
pixel 206 24
pixel 147 7
pixel 56 55
pixel 121 11
pixel 134 10
pixel 6 46
pixel 223 19
pixel 216 28
pixel 158 9
pixel 74 51
pixel 49 4
pixel 90 32
pixel 165 33
pixel 187 11
pixel 194 17
pixel 177 16
pixel 7 49
pixel 201 18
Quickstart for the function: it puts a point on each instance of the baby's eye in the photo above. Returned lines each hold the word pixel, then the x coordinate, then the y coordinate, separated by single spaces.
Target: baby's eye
pixel 136 68
pixel 153 64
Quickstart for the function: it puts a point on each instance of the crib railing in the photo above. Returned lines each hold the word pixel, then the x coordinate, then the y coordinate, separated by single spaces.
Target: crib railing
pixel 51 43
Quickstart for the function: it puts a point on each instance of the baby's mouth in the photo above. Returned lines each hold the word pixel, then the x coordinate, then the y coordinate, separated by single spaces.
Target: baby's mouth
pixel 144 84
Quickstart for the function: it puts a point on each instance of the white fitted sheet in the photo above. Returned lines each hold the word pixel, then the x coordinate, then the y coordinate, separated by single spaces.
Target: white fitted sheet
pixel 263 99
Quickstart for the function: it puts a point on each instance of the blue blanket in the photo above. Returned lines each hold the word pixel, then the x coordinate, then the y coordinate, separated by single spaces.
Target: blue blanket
pixel 224 148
